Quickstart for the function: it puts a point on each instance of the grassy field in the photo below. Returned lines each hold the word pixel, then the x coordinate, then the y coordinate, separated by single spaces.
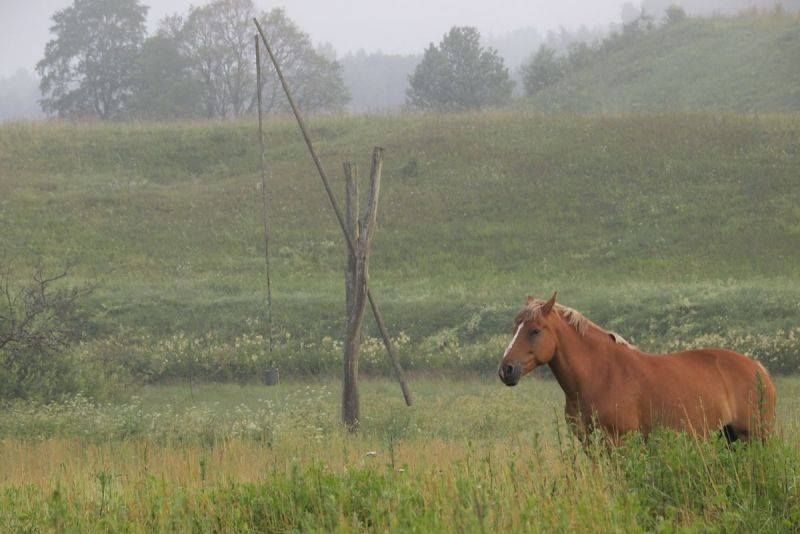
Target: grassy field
pixel 675 230
pixel 470 456
pixel 672 229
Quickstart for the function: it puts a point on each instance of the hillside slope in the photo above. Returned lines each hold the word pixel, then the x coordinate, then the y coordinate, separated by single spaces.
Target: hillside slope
pixel 749 63
pixel 662 227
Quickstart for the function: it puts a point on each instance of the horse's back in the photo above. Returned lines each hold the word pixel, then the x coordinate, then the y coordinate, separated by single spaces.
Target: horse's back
pixel 709 362
pixel 717 387
pixel 740 373
pixel 751 391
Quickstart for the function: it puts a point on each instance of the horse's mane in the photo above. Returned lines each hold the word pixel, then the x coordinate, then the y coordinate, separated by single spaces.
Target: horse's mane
pixel 533 310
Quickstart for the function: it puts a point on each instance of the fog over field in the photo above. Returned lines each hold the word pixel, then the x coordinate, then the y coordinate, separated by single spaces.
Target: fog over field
pixel 349 25
pixel 377 44
pixel 190 342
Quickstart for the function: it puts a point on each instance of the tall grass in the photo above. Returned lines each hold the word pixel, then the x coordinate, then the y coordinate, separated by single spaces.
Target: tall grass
pixel 470 456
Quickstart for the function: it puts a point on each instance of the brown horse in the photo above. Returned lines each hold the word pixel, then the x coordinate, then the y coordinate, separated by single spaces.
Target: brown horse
pixel 611 384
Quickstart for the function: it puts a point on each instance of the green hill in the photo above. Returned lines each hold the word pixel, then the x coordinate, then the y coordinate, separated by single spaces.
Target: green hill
pixel 748 63
pixel 663 227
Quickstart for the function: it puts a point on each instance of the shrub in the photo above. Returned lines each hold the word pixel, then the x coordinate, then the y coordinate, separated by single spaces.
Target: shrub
pixel 39 322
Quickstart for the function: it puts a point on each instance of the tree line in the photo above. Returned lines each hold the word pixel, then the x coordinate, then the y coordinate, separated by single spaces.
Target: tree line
pixel 549 65
pixel 102 64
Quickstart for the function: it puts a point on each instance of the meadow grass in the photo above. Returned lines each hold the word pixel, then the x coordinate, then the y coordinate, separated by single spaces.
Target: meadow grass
pixel 470 456
pixel 668 228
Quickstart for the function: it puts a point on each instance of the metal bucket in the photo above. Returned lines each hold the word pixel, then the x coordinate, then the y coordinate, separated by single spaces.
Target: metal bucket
pixel 271 377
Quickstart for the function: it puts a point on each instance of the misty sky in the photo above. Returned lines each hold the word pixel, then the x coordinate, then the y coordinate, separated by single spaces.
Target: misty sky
pixel 398 26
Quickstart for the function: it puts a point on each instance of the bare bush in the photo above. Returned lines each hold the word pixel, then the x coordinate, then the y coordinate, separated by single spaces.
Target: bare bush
pixel 38 323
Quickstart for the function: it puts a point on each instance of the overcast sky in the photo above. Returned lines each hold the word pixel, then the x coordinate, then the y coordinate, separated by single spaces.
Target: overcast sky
pixel 394 26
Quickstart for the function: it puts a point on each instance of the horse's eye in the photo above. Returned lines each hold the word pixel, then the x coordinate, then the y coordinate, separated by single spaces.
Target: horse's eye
pixel 533 331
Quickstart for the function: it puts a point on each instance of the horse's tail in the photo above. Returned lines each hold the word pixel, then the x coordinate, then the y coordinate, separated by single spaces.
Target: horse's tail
pixel 766 400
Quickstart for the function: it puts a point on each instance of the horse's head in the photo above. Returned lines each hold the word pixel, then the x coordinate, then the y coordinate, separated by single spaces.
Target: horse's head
pixel 534 342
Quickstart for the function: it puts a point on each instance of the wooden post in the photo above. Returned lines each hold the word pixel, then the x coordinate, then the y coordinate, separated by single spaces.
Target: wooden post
pixel 351 220
pixel 361 231
pixel 339 217
pixel 350 400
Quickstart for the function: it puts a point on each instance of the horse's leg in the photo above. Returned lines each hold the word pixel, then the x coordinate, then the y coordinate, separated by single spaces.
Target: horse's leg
pixel 731 434
pixel 575 422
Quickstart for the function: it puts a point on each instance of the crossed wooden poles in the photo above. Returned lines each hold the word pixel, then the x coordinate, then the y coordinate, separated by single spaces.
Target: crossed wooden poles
pixel 357 247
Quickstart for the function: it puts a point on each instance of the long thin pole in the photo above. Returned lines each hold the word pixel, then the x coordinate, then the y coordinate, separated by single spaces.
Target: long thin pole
pixel 304 131
pixel 264 192
pixel 326 183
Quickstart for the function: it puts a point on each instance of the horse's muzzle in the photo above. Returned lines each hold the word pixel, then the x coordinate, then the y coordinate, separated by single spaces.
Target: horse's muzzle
pixel 510 374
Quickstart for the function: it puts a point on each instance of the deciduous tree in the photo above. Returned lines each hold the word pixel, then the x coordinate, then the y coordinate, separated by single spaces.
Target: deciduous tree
pixel 217 40
pixel 166 88
pixel 89 68
pixel 542 70
pixel 459 74
pixel 38 323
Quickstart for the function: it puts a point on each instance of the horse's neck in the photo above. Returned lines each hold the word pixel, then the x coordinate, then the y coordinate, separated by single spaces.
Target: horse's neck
pixel 581 359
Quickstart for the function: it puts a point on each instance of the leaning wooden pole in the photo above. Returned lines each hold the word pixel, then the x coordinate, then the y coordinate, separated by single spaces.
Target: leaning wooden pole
pixel 350 245
pixel 264 206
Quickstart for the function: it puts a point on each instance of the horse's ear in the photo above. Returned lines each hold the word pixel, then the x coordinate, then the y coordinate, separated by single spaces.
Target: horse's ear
pixel 531 298
pixel 548 306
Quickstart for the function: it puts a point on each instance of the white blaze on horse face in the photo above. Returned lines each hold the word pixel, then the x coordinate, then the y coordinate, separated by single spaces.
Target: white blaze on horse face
pixel 519 329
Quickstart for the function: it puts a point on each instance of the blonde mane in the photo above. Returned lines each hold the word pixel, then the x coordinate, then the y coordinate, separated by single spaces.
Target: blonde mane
pixel 533 311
